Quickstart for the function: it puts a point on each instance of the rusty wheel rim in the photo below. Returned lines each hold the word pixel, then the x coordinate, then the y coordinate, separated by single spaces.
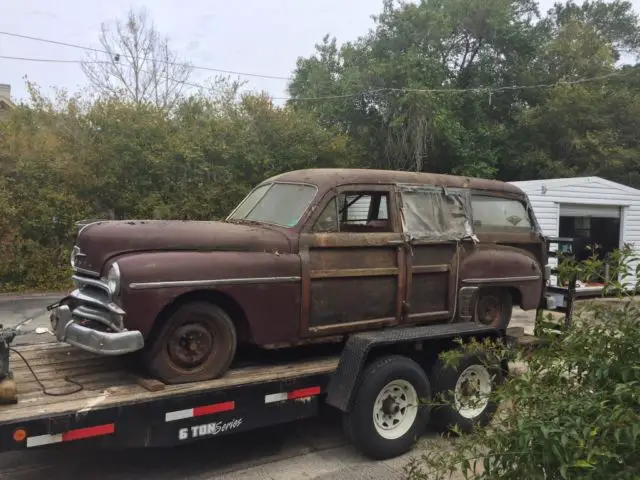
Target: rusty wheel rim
pixel 190 345
pixel 489 310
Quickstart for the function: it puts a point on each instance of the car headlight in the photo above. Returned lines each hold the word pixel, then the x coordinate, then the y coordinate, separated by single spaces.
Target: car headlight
pixel 74 254
pixel 113 279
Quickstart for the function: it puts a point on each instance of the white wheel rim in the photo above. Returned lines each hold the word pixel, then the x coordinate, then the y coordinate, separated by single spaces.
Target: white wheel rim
pixel 472 391
pixel 395 409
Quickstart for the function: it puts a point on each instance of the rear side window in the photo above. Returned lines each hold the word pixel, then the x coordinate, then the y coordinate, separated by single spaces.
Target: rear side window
pixel 503 213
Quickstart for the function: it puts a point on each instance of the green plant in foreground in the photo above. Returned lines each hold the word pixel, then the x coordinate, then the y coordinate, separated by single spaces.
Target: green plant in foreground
pixel 573 413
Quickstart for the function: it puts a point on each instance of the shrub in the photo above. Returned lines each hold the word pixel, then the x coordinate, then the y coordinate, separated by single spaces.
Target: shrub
pixel 573 413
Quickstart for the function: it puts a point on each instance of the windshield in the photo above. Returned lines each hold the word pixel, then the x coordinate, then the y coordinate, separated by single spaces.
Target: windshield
pixel 280 204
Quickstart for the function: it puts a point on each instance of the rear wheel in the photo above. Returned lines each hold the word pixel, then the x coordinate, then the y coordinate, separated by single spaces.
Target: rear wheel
pixel 390 408
pixel 494 307
pixel 197 342
pixel 464 393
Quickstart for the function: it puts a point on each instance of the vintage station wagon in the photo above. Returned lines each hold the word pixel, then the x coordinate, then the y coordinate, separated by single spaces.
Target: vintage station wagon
pixel 308 256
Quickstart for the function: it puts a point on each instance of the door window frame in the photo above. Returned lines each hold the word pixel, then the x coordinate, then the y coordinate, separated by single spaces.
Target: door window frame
pixel 334 193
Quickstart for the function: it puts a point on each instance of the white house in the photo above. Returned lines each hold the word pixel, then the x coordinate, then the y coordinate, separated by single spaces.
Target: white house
pixel 5 100
pixel 603 211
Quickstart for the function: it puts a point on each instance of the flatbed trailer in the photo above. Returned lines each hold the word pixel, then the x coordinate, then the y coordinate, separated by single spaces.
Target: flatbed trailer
pixel 107 402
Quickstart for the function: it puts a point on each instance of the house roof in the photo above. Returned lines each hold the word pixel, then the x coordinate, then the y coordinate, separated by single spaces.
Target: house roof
pixel 554 183
pixel 7 103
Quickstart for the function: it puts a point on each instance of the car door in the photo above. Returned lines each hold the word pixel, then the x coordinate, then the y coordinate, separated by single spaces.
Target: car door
pixel 435 221
pixel 352 262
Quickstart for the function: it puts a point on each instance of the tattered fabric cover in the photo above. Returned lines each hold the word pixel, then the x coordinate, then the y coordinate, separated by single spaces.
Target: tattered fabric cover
pixel 436 213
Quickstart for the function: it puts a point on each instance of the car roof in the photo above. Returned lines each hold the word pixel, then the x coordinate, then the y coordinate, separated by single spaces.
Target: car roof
pixel 325 178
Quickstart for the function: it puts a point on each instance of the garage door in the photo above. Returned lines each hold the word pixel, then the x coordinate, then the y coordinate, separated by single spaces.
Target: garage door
pixel 606 211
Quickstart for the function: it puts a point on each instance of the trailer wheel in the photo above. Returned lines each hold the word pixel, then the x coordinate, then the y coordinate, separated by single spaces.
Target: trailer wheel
pixel 390 408
pixel 197 342
pixel 463 393
pixel 494 307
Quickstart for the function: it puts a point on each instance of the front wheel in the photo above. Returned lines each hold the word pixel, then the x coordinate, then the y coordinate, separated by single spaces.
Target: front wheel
pixel 390 408
pixel 197 342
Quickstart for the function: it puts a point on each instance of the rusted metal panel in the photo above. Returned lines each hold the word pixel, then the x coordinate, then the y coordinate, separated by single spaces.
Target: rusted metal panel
pixel 348 258
pixel 332 177
pixel 289 285
pixel 346 300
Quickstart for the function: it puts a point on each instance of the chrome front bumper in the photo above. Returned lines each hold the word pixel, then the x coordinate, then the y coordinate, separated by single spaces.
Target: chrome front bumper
pixel 106 343
pixel 94 306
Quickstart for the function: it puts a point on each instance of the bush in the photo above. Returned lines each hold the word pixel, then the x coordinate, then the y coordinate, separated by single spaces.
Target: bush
pixel 573 413
pixel 69 159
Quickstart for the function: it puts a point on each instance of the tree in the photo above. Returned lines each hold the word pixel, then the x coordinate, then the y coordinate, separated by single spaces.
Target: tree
pixel 137 63
pixel 444 86
pixel 402 117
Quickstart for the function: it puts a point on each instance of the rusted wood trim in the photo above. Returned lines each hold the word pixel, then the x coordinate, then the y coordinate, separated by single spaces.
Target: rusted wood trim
pixel 445 267
pixel 401 290
pixel 351 325
pixel 454 280
pixel 409 288
pixel 305 292
pixel 351 239
pixel 354 272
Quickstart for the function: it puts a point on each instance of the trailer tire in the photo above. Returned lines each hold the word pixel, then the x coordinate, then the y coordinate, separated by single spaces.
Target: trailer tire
pixel 453 407
pixel 173 359
pixel 390 409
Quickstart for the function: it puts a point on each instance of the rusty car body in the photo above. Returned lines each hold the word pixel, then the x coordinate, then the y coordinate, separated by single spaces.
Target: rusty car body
pixel 309 255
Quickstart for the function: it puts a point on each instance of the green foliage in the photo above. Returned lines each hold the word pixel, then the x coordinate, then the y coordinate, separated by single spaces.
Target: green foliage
pixel 68 159
pixel 115 156
pixel 573 413
pixel 409 118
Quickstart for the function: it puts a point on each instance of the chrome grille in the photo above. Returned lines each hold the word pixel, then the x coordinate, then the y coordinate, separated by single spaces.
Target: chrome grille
pixel 94 303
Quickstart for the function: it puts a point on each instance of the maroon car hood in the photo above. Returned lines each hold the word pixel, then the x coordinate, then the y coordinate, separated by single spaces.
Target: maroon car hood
pixel 102 240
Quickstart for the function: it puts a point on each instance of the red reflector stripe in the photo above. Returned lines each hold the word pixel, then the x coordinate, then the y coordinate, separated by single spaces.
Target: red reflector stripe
pixel 215 408
pixel 82 433
pixel 303 392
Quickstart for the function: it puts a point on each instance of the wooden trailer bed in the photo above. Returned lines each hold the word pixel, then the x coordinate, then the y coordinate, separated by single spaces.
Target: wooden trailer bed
pixel 112 381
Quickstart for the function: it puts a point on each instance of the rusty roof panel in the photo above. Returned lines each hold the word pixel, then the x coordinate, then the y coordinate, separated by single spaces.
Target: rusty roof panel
pixel 326 178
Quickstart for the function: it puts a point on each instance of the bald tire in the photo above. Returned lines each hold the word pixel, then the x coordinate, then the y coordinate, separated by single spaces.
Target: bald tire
pixel 216 322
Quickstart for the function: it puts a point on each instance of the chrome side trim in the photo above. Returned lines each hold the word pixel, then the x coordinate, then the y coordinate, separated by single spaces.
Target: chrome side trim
pixel 529 278
pixel 213 283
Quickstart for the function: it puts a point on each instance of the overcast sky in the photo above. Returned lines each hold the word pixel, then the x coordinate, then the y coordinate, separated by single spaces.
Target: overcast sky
pixel 258 36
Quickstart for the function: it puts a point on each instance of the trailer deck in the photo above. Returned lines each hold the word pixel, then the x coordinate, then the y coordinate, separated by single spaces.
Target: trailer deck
pixel 111 383
pixel 108 401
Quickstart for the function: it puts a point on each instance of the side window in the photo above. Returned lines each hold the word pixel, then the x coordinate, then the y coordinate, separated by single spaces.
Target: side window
pixel 328 219
pixel 356 212
pixel 494 212
pixel 431 213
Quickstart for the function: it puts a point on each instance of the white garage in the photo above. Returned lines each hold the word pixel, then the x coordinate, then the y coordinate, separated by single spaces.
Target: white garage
pixel 590 209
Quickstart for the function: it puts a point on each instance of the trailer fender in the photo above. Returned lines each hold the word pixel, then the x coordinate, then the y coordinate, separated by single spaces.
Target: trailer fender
pixel 345 380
